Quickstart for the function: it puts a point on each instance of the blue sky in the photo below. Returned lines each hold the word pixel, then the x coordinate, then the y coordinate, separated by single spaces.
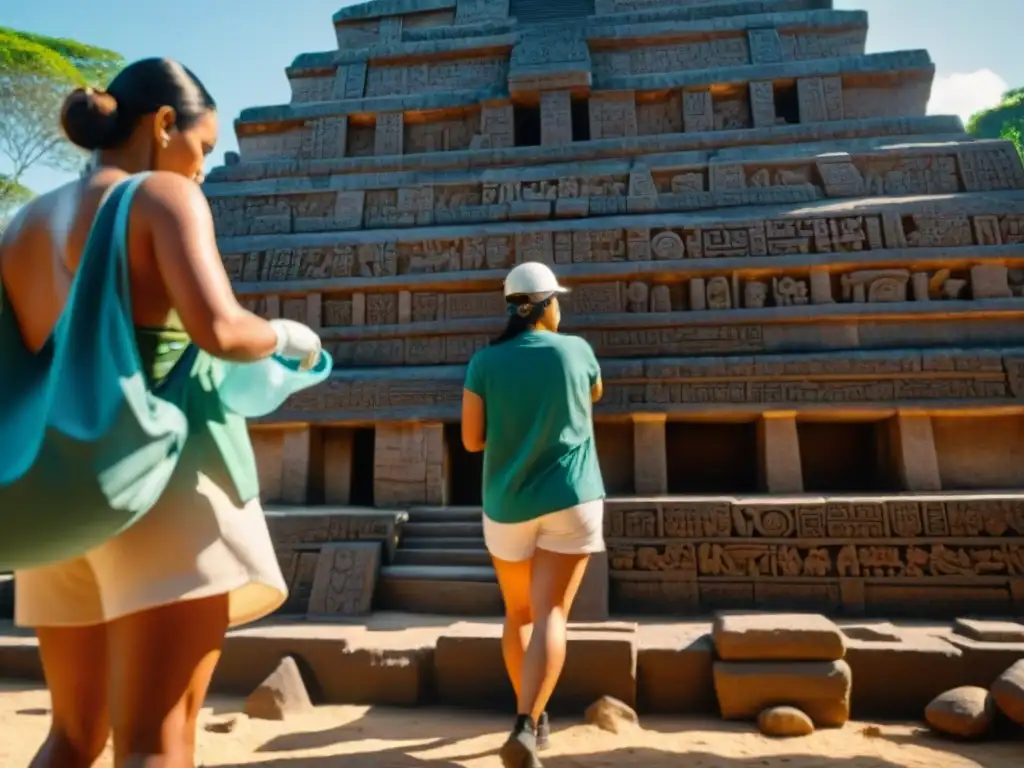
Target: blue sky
pixel 240 49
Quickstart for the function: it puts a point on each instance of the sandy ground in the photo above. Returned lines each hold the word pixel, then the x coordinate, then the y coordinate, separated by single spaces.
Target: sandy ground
pixel 358 737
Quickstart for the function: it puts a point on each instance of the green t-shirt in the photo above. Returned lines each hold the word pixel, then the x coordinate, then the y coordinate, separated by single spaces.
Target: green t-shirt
pixel 540 455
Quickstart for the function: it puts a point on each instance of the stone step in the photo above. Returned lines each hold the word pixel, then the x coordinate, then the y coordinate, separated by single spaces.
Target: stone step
pixel 444 530
pixel 427 556
pixel 442 542
pixel 445 514
pixel 439 572
pixel 444 590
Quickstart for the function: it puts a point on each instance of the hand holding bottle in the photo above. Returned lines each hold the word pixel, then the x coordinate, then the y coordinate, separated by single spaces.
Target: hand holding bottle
pixel 297 342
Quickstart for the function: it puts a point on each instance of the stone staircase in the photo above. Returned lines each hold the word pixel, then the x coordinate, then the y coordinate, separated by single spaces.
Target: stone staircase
pixel 440 566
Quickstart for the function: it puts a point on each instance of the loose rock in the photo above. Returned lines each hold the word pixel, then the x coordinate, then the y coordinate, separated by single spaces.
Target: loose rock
pixel 1008 692
pixel 965 712
pixel 611 715
pixel 784 722
pixel 282 693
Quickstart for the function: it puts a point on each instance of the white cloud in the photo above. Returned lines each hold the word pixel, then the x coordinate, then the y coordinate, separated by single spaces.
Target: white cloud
pixel 964 93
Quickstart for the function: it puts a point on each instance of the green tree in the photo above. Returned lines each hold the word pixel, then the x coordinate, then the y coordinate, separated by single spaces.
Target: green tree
pixel 1003 121
pixel 36 74
pixel 12 196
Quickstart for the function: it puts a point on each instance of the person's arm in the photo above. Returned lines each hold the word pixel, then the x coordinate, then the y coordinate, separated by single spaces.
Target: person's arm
pixel 180 225
pixel 596 384
pixel 474 418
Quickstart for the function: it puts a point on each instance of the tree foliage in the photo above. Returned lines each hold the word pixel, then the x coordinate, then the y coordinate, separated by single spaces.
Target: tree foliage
pixel 1003 121
pixel 36 74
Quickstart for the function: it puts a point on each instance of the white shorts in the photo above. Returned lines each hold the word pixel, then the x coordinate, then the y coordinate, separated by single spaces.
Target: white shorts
pixel 577 530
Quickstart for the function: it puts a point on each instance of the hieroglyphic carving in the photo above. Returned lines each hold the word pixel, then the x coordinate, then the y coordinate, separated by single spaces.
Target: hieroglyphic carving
pixel 836 518
pixel 765 46
pixel 555 118
pixel 811 96
pixel 330 135
pixel 389 135
pixel 346 575
pixel 444 76
pixel 497 124
pixel 612 116
pixel 762 103
pixel 698 111
pixel 990 169
pixel 832 91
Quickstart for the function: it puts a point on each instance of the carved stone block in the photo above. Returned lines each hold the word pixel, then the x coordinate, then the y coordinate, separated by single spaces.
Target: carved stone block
pixel 765 46
pixel 555 118
pixel 346 575
pixel 811 97
pixel 612 116
pixel 698 111
pixel 330 135
pixel 388 137
pixel 762 104
pixel 497 123
pixel 649 457
pixel 990 281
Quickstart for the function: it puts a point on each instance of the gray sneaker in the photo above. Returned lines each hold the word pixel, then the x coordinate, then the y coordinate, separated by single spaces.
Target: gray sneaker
pixel 543 732
pixel 520 749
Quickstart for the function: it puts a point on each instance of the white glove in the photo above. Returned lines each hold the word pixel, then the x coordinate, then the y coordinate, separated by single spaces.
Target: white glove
pixel 297 342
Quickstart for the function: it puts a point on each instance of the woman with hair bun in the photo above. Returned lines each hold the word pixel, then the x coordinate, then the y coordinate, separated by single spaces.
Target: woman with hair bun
pixel 527 405
pixel 130 632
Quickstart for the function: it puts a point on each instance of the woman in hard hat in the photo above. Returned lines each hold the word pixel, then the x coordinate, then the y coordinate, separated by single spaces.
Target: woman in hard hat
pixel 527 405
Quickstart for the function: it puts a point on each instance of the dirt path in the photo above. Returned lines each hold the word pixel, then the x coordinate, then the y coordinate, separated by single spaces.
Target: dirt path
pixel 357 737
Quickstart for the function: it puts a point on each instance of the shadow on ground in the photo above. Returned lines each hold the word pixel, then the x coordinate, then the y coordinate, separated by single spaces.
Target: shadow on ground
pixel 451 739
pixel 634 756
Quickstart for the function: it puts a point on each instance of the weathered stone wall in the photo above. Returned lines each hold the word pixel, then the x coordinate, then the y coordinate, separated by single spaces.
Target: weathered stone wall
pixel 765 234
pixel 837 555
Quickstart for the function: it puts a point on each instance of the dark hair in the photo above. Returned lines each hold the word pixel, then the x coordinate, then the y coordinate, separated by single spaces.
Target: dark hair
pixel 523 314
pixel 94 119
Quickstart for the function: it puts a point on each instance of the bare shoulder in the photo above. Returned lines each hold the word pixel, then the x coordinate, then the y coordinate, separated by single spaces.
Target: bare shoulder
pixel 164 194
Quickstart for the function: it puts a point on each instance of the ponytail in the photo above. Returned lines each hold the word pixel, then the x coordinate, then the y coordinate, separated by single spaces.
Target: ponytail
pixel 523 314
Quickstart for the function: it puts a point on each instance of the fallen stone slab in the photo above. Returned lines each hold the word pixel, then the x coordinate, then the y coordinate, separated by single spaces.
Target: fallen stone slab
pixel 283 693
pixel 784 722
pixel 966 712
pixel 821 689
pixel 777 637
pixel 1008 692
pixel 990 631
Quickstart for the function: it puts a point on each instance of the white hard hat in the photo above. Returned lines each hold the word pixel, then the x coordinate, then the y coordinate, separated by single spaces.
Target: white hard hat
pixel 532 278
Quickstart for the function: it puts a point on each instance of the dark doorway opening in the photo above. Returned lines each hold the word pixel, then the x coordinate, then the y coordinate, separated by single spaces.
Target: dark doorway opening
pixel 842 457
pixel 363 446
pixel 580 119
pixel 615 455
pixel 465 470
pixel 787 102
pixel 705 457
pixel 526 122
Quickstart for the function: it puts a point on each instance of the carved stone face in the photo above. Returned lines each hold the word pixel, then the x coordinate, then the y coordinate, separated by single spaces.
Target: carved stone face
pixel 718 292
pixel 667 245
pixel 754 295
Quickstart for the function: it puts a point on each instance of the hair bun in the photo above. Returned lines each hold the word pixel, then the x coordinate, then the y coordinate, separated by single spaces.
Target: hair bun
pixel 89 118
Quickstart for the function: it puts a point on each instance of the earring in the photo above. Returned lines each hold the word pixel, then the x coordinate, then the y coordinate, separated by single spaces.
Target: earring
pixel 163 143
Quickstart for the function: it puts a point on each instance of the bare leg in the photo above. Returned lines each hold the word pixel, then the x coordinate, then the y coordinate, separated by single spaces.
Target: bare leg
pixel 75 666
pixel 556 579
pixel 514 581
pixel 161 664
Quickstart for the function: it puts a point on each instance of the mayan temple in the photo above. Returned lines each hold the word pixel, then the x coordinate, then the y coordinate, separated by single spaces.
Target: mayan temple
pixel 806 295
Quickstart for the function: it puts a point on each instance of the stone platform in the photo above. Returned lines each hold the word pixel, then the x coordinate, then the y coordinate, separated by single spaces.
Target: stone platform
pixel 658 667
